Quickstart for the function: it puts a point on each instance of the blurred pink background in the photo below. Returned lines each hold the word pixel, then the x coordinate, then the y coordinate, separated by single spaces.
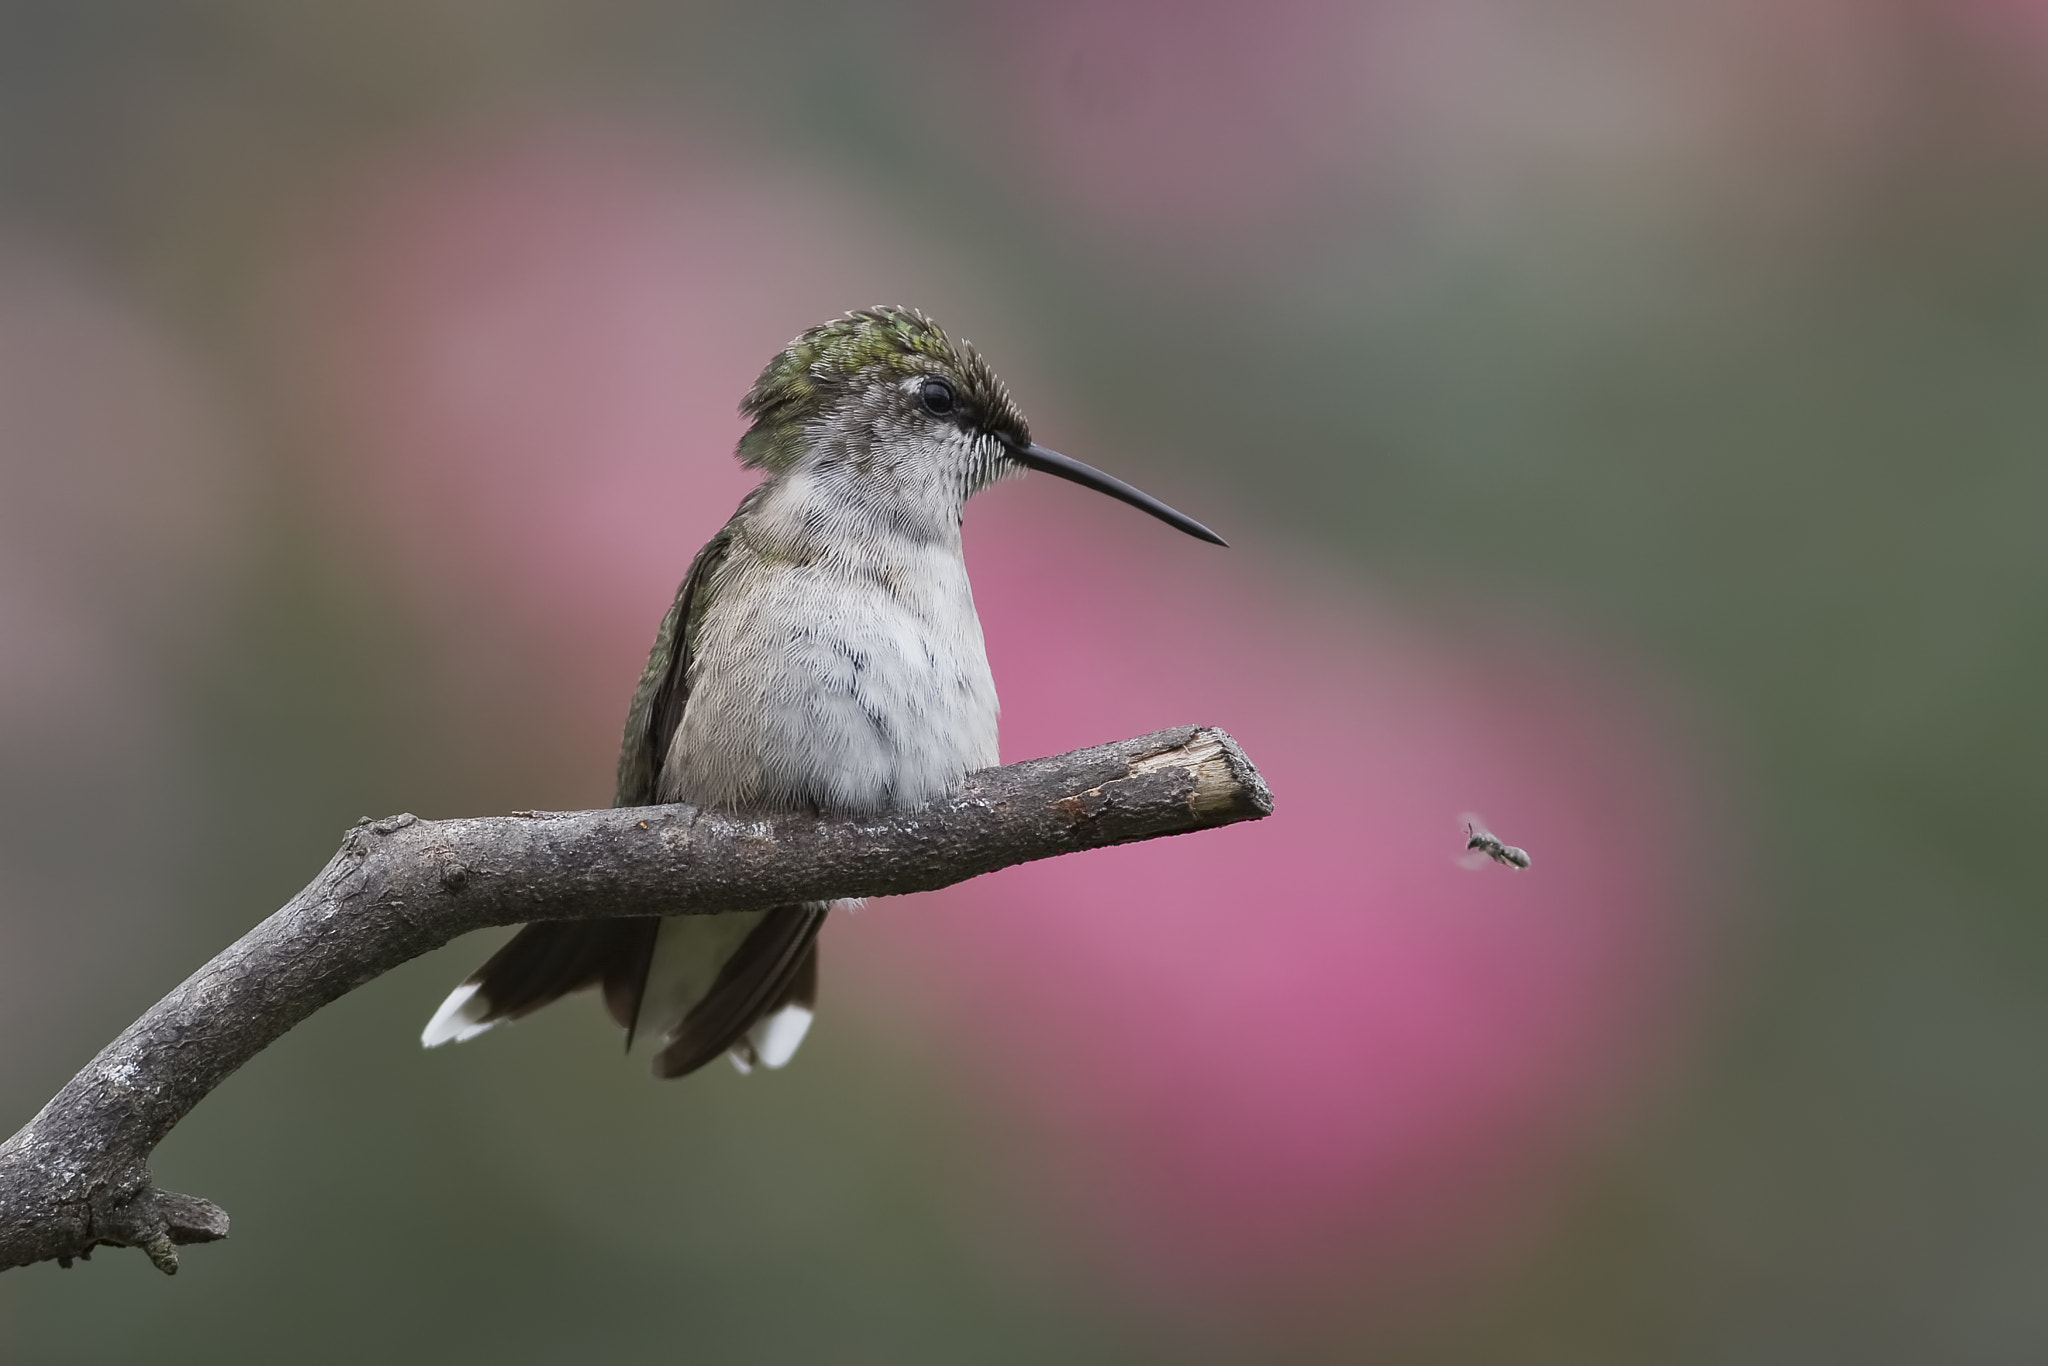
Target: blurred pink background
pixel 1628 421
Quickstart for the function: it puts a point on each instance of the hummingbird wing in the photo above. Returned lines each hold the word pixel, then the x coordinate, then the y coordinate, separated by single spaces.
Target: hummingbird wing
pixel 549 959
pixel 742 983
pixel 664 688
pixel 651 723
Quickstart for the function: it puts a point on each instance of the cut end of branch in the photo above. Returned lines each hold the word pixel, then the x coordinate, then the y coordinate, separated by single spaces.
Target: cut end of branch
pixel 1227 787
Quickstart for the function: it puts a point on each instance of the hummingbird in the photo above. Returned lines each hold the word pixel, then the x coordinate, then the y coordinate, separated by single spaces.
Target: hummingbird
pixel 822 655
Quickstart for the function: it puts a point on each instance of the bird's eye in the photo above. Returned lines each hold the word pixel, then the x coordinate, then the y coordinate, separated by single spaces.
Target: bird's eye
pixel 937 396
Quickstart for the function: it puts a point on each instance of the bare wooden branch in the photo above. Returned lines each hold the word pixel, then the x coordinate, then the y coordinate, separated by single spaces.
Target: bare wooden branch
pixel 77 1175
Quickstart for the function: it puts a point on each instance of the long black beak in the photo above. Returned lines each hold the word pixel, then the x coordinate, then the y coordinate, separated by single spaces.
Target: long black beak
pixel 1036 457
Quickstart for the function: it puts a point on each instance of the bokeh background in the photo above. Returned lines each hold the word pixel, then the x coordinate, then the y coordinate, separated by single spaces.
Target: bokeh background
pixel 1628 419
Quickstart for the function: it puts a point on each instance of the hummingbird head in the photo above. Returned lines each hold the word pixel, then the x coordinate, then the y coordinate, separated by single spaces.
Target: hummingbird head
pixel 882 407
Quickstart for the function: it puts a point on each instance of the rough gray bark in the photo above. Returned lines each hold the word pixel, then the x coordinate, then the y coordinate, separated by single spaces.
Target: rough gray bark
pixel 77 1175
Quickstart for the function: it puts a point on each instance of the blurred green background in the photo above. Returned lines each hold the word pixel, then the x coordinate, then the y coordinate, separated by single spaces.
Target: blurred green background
pixel 1719 331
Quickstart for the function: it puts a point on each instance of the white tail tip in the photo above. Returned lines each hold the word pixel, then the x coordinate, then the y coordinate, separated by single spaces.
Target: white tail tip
pixel 776 1038
pixel 459 1018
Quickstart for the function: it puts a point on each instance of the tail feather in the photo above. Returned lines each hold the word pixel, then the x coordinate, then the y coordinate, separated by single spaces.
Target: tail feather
pixel 460 1017
pixel 776 1036
pixel 544 962
pixel 625 976
pixel 750 985
pixel 743 984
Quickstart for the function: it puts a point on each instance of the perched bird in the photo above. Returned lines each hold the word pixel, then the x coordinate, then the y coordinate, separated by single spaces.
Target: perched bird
pixel 822 655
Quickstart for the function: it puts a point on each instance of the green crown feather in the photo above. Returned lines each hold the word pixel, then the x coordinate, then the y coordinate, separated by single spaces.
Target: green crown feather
pixel 872 344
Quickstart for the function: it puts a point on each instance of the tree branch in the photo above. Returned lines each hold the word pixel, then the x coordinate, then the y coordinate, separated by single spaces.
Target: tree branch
pixel 77 1175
